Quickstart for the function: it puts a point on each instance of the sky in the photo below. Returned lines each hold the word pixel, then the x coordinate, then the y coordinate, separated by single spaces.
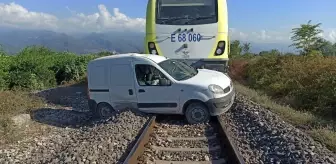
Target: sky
pixel 267 21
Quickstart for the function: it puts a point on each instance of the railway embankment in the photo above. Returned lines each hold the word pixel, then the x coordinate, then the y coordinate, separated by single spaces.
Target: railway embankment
pixel 67 133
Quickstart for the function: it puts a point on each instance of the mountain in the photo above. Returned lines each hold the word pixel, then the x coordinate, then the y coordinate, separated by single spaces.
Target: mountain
pixel 13 40
pixel 121 42
pixel 282 47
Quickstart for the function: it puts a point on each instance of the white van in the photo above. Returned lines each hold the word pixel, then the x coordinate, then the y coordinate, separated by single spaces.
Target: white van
pixel 156 84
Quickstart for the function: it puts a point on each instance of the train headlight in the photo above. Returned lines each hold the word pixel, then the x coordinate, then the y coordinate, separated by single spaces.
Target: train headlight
pixel 221 44
pixel 152 48
pixel 151 45
pixel 220 48
pixel 218 51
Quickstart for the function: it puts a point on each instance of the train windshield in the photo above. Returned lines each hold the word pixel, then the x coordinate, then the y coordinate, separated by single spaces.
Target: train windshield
pixel 186 12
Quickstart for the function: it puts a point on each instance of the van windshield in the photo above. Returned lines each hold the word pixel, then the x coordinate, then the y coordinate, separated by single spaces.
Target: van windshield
pixel 178 70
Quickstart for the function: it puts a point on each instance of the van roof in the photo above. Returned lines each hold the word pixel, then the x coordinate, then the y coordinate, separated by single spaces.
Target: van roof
pixel 154 58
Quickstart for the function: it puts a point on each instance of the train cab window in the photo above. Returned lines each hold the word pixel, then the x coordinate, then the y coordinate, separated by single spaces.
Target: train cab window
pixel 181 12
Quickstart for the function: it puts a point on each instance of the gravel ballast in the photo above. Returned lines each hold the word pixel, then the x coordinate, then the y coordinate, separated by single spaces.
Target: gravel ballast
pixel 107 142
pixel 178 128
pixel 75 136
pixel 262 137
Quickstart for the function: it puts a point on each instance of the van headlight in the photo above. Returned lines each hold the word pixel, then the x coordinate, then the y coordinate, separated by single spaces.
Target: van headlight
pixel 216 89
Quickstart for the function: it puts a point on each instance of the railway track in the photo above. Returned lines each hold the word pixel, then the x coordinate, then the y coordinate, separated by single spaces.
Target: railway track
pixel 170 140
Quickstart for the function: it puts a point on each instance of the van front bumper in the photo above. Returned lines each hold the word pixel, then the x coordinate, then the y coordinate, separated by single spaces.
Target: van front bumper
pixel 221 105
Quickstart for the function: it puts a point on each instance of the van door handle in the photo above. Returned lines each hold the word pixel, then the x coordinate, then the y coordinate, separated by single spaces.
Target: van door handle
pixel 130 92
pixel 141 90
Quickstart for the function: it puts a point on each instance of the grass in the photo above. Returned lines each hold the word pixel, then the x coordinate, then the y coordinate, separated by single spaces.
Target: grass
pixel 320 129
pixel 20 101
pixel 13 103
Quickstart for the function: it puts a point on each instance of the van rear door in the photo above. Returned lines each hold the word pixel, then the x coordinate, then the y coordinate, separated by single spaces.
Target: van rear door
pixel 122 90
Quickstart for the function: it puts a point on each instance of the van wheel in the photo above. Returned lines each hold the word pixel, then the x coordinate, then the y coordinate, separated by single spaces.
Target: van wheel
pixel 197 113
pixel 105 110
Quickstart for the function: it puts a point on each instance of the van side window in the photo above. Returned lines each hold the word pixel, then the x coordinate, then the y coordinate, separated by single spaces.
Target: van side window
pixel 148 75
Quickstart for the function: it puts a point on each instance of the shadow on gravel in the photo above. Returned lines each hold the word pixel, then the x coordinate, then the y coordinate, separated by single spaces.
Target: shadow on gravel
pixel 172 119
pixel 71 96
pixel 74 119
pixel 61 117
pixel 75 113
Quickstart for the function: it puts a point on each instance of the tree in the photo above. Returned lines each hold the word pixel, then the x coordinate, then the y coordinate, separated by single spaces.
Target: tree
pixel 2 51
pixel 306 37
pixel 314 53
pixel 319 44
pixel 289 54
pixel 328 49
pixel 246 48
pixel 275 52
pixel 235 48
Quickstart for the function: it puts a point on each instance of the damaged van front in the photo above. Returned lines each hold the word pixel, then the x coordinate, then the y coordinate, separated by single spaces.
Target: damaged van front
pixel 208 89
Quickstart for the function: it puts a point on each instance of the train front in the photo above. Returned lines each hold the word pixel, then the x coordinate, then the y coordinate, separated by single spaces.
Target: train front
pixel 191 30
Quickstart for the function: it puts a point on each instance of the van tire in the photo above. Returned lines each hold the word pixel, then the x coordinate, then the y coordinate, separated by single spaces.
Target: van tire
pixel 104 110
pixel 197 113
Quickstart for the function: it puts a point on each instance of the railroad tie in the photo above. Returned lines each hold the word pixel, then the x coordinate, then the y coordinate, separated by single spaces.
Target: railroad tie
pixel 181 130
pixel 219 161
pixel 189 138
pixel 203 149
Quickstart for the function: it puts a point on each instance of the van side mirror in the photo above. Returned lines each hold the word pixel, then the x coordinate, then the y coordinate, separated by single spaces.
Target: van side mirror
pixel 165 82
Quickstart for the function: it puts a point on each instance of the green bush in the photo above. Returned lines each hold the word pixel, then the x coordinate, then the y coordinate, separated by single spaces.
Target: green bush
pixel 70 67
pixel 39 67
pixel 308 82
pixel 30 69
pixel 5 62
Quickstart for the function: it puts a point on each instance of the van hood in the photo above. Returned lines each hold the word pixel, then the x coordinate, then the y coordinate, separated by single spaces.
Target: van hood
pixel 205 77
